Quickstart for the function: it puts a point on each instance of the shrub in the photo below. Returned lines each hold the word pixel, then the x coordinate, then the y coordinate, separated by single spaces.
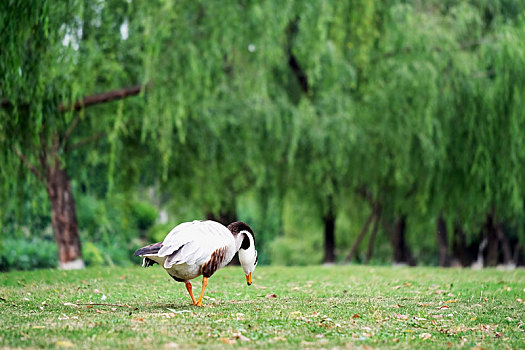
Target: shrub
pixel 157 232
pixel 115 254
pixel 27 254
pixel 145 214
pixel 294 251
pixel 92 254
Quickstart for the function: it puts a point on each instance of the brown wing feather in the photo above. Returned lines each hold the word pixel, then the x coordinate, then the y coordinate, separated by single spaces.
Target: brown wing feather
pixel 212 265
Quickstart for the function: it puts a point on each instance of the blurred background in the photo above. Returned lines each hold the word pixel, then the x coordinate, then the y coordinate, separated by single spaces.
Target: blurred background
pixel 359 131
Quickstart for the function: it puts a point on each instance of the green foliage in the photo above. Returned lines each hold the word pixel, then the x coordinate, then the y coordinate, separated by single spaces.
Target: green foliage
pixel 158 232
pixel 92 254
pixel 144 213
pixel 293 251
pixel 281 113
pixel 24 254
pixel 116 253
pixel 100 220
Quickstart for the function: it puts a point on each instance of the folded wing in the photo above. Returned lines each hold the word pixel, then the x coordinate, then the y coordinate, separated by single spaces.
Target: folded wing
pixel 194 242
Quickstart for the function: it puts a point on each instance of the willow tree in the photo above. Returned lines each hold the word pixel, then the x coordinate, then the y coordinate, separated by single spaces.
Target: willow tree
pixel 53 55
pixel 222 119
pixel 445 115
pixel 400 132
pixel 485 151
pixel 465 188
pixel 320 61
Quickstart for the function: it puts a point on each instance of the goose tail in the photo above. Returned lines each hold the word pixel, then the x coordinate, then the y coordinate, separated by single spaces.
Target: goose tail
pixel 149 250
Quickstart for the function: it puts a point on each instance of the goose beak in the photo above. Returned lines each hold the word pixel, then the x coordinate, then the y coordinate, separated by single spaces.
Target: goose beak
pixel 249 278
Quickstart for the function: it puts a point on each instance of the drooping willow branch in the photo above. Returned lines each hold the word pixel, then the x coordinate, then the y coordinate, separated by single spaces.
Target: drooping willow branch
pixel 101 98
pixel 28 164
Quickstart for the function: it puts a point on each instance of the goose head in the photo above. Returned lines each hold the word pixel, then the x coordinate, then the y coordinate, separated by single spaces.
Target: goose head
pixel 246 247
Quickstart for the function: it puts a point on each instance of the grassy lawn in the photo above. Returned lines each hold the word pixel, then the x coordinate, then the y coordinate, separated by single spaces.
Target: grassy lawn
pixel 298 307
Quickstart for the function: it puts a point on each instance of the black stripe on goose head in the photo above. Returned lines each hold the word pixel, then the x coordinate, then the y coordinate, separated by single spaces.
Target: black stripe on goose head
pixel 238 226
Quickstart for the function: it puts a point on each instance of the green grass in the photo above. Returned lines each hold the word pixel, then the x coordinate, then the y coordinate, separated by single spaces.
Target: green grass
pixel 297 307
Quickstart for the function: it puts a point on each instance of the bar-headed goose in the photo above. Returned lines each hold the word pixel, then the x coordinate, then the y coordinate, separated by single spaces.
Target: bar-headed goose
pixel 199 248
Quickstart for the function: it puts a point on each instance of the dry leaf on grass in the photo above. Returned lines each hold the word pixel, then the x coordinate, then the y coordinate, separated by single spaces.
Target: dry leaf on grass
pixel 240 337
pixel 277 339
pixel 64 344
pixel 227 341
pixel 425 336
pixel 270 296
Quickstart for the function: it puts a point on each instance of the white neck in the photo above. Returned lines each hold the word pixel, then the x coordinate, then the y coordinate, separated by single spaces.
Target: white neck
pixel 239 238
pixel 247 257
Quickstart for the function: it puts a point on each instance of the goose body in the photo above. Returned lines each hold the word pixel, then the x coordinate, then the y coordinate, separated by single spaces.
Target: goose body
pixel 199 248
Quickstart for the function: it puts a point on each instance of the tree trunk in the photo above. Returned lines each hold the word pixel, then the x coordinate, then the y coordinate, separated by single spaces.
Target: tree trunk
pixel 442 240
pixel 516 255
pixel 225 217
pixel 459 247
pixel 329 236
pixel 402 254
pixel 64 218
pixel 505 246
pixel 491 234
pixel 359 238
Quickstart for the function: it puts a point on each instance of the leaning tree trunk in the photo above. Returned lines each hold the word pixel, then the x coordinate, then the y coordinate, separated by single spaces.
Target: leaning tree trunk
pixel 442 240
pixel 329 236
pixel 359 238
pixel 373 236
pixel 63 217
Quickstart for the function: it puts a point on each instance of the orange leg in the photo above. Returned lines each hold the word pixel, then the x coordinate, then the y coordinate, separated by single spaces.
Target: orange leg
pixel 190 290
pixel 204 284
